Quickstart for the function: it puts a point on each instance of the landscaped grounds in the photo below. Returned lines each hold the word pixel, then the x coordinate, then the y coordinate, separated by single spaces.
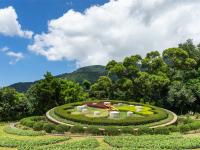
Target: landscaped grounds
pixel 17 139
pixel 106 113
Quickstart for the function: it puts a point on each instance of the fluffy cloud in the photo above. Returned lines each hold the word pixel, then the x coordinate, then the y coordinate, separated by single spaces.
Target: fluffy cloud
pixel 9 24
pixel 16 56
pixel 117 29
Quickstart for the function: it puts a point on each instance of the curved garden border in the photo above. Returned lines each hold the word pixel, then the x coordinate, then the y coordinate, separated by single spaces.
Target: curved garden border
pixel 170 122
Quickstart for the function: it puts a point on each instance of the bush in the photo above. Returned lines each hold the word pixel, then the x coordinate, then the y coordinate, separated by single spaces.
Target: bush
pixel 173 128
pixel 184 128
pixel 38 126
pixel 48 127
pixel 62 128
pixel 94 130
pixel 111 131
pixel 162 130
pixel 145 130
pixel 127 130
pixel 30 121
pixel 77 129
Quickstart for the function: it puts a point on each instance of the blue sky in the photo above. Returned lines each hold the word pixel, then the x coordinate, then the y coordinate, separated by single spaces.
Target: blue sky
pixel 61 35
pixel 34 15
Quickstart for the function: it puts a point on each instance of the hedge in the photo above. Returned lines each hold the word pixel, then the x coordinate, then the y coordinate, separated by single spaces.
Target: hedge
pixel 159 114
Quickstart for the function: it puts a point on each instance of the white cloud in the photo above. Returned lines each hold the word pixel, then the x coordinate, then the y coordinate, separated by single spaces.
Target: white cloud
pixel 117 29
pixel 9 24
pixel 16 56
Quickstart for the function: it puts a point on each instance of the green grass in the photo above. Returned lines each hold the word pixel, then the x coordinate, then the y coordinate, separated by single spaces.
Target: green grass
pixel 21 132
pixel 176 142
pixel 12 142
pixel 86 144
pixel 125 142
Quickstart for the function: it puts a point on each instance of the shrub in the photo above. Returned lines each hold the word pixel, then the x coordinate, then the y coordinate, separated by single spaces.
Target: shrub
pixel 127 130
pixel 30 121
pixel 173 128
pixel 77 129
pixel 162 130
pixel 38 126
pixel 94 130
pixel 48 127
pixel 145 130
pixel 62 128
pixel 184 128
pixel 111 131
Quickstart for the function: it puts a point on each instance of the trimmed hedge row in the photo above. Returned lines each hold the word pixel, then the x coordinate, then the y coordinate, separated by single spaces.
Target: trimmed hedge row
pixel 183 126
pixel 159 114
pixel 39 123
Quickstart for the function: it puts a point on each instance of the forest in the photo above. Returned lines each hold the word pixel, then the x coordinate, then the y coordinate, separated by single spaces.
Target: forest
pixel 170 80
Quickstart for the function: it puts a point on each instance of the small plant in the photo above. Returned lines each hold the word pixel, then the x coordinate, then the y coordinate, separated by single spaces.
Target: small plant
pixel 162 130
pixel 62 128
pixel 127 130
pixel 94 130
pixel 111 131
pixel 77 129
pixel 38 126
pixel 48 127
pixel 145 130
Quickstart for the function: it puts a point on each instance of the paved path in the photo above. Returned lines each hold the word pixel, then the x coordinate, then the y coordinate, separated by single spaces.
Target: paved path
pixel 56 121
pixel 175 117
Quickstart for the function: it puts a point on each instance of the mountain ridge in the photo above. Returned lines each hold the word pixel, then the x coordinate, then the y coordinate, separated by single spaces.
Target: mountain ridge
pixel 90 73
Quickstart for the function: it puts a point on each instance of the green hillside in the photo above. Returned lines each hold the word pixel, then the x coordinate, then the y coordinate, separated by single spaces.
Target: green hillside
pixel 90 73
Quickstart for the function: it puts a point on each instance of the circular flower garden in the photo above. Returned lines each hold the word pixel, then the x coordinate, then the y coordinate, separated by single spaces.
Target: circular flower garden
pixel 115 113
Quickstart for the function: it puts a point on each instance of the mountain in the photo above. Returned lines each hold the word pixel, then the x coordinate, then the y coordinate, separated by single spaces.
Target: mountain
pixel 90 73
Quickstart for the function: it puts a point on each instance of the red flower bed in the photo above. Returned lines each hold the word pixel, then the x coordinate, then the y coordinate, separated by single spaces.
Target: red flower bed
pixel 97 105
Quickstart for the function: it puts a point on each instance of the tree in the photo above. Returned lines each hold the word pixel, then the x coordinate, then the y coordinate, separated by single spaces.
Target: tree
pixel 13 105
pixel 153 63
pixel 180 98
pixel 194 86
pixel 102 87
pixel 86 84
pixel 175 58
pixel 132 66
pixel 51 92
pixel 193 51
pixel 72 92
pixel 151 87
pixel 44 95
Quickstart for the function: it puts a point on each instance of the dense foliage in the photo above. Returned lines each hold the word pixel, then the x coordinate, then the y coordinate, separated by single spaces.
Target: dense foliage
pixel 13 105
pixel 170 80
pixel 51 92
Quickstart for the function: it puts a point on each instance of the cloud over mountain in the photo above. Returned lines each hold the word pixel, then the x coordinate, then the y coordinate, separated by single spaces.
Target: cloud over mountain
pixel 117 29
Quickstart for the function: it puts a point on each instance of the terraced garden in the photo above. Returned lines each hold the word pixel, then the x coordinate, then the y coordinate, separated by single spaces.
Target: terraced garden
pixel 19 139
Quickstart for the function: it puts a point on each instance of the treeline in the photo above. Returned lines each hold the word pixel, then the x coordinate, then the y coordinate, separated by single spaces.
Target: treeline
pixel 170 80
pixel 40 97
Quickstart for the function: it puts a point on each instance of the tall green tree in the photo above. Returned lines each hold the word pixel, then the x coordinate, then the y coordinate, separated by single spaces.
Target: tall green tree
pixel 51 92
pixel 102 88
pixel 13 105
pixel 180 98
